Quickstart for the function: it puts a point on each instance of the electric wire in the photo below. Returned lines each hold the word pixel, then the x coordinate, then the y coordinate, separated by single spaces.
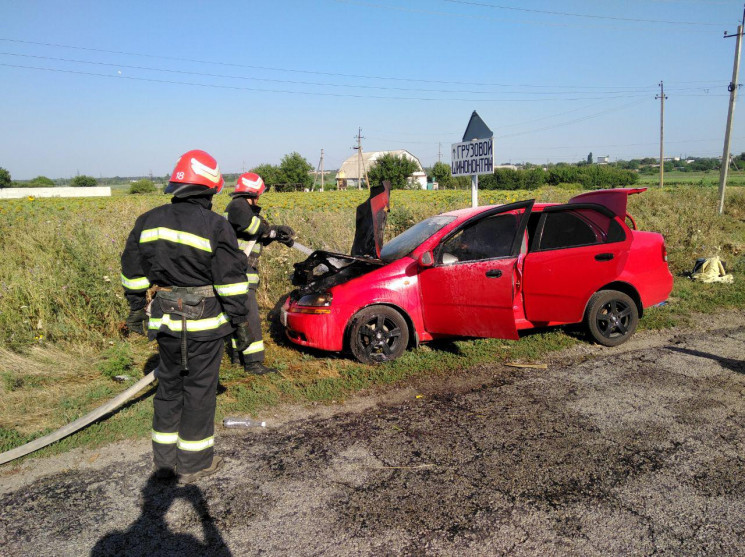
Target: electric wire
pixel 307 93
pixel 589 16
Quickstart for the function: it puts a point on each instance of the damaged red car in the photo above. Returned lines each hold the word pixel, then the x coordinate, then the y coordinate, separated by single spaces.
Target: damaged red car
pixel 486 272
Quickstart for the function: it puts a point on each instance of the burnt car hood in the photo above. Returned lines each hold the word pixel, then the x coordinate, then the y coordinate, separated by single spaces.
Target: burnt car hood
pixel 324 269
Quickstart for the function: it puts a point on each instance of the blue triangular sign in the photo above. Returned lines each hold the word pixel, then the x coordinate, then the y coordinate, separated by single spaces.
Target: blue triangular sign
pixel 477 129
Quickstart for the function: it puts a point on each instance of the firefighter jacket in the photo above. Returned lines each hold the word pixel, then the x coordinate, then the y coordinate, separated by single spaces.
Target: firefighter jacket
pixel 185 244
pixel 252 230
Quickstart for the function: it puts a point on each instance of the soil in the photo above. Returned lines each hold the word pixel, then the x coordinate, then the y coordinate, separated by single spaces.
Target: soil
pixel 634 450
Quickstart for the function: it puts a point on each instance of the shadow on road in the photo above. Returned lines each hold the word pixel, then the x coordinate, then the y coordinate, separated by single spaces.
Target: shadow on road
pixel 150 535
pixel 738 366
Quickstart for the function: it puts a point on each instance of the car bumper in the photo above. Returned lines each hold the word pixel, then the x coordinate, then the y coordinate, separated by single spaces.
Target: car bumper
pixel 324 331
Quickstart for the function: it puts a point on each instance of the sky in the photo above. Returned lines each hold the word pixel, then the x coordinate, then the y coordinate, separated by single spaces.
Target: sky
pixel 124 88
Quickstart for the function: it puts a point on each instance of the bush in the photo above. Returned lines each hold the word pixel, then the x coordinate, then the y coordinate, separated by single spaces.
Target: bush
pixel 392 168
pixel 83 181
pixel 142 186
pixel 41 182
pixel 4 178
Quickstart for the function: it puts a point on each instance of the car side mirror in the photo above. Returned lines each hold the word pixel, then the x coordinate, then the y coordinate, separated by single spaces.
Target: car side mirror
pixel 426 259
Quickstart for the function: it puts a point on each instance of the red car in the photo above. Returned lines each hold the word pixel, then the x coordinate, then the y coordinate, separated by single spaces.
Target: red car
pixel 488 271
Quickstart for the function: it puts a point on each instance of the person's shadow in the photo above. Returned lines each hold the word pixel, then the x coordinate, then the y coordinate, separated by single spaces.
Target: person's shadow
pixel 150 535
pixel 738 366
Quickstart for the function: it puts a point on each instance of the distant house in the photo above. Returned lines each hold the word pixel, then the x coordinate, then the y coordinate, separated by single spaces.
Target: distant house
pixel 603 159
pixel 352 171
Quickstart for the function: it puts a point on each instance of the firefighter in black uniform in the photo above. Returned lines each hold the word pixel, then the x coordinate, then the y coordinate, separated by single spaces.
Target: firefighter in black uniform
pixel 188 256
pixel 254 232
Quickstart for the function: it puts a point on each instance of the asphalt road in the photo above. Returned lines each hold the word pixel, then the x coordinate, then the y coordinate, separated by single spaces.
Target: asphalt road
pixel 636 450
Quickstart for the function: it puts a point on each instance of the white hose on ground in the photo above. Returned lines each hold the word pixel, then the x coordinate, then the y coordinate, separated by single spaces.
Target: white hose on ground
pixel 80 423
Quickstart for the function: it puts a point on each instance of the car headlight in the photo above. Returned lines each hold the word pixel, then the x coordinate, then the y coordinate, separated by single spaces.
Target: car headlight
pixel 314 303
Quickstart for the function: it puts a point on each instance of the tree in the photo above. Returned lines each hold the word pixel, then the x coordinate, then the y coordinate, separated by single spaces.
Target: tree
pixel 296 170
pixel 271 174
pixel 441 174
pixel 4 178
pixel 394 169
pixel 42 182
pixel 589 158
pixel 142 186
pixel 83 181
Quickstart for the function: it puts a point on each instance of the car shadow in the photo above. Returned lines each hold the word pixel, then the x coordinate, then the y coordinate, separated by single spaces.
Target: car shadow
pixel 150 534
pixel 738 366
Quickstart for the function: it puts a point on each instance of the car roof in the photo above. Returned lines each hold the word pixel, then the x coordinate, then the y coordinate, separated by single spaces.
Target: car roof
pixel 613 199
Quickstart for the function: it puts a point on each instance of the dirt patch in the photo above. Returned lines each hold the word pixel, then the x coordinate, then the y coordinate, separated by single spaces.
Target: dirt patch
pixel 637 449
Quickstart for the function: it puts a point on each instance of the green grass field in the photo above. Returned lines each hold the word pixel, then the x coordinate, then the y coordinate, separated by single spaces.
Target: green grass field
pixel 62 309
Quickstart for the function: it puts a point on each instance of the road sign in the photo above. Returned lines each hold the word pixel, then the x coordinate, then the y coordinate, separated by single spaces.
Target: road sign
pixel 472 157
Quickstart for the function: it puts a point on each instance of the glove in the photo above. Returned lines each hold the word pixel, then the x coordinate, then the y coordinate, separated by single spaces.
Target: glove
pixel 285 234
pixel 136 321
pixel 243 336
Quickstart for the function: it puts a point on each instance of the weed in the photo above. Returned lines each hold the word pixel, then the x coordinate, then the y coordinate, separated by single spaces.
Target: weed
pixel 117 360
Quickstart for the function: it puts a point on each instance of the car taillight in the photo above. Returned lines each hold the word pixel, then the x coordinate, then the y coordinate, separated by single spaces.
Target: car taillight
pixel 664 252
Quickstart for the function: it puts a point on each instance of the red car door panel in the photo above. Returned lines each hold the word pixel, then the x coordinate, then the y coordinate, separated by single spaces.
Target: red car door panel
pixel 558 276
pixel 470 299
pixel 471 289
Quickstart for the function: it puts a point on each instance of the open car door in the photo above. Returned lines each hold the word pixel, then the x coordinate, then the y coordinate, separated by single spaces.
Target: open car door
pixel 470 289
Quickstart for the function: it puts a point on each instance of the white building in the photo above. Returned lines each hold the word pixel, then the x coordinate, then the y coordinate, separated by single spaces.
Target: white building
pixel 352 171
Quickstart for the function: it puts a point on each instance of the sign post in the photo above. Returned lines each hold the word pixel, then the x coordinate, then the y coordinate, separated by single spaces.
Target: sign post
pixel 474 155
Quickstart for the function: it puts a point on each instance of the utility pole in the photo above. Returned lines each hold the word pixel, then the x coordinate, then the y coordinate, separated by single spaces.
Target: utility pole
pixel 439 152
pixel 730 114
pixel 662 98
pixel 315 174
pixel 359 158
pixel 322 175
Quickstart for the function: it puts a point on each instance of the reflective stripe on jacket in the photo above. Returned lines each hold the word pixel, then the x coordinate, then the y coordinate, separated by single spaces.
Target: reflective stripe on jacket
pixel 184 243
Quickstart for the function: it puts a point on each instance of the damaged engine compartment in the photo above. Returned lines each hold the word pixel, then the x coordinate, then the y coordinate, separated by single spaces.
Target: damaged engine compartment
pixel 324 269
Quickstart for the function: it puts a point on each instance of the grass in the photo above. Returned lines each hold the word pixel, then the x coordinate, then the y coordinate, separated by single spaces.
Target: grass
pixel 61 306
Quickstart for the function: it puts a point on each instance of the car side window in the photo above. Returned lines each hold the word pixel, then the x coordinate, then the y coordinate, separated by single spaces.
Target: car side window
pixel 584 227
pixel 487 238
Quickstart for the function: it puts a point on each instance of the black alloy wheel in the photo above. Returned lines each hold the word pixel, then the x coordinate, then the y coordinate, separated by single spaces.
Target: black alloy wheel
pixel 378 334
pixel 611 318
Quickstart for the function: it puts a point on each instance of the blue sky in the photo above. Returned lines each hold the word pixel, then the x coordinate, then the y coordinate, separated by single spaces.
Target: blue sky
pixel 114 88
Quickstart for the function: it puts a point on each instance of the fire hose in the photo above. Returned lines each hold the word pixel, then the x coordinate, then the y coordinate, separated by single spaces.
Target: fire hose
pixel 110 406
pixel 80 423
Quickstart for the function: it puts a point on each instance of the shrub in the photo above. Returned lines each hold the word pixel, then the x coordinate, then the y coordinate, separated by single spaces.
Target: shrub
pixel 4 178
pixel 142 186
pixel 83 181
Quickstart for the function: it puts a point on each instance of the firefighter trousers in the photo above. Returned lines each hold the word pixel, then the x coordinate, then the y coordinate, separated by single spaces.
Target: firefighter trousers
pixel 184 404
pixel 255 350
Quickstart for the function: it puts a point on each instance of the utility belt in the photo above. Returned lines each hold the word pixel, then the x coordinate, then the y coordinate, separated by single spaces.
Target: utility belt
pixel 186 302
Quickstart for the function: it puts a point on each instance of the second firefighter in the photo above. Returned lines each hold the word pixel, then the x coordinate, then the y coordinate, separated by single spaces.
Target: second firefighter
pixel 254 232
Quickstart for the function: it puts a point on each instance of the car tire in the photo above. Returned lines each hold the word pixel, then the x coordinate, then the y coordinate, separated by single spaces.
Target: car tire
pixel 378 334
pixel 611 318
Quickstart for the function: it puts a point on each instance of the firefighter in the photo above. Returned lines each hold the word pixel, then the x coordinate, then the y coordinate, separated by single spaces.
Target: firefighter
pixel 254 232
pixel 188 257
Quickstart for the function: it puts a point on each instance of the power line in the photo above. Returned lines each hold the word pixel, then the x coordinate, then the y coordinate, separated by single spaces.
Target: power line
pixel 310 93
pixel 589 16
pixel 314 83
pixel 333 74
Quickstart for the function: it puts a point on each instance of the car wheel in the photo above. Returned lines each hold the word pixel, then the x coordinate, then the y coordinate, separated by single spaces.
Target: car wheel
pixel 612 317
pixel 378 334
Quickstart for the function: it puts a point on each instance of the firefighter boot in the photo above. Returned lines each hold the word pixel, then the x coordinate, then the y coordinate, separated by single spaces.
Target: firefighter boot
pixel 258 368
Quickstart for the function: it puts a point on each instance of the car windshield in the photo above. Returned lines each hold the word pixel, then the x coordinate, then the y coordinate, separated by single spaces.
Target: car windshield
pixel 407 241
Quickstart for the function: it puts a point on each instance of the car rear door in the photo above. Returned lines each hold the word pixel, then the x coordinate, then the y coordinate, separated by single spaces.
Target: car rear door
pixel 471 287
pixel 577 249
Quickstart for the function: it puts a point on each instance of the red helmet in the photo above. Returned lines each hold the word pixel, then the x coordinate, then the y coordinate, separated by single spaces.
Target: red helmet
pixel 249 184
pixel 196 168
